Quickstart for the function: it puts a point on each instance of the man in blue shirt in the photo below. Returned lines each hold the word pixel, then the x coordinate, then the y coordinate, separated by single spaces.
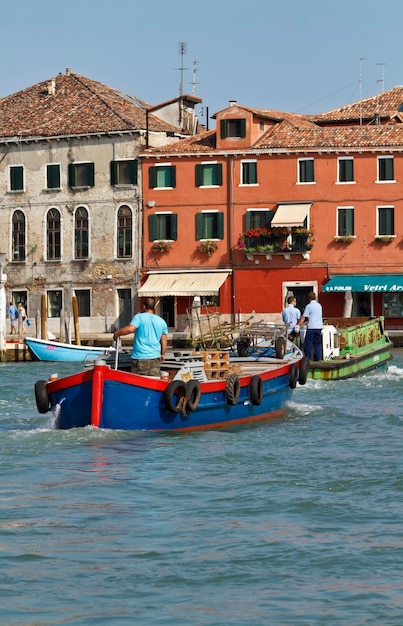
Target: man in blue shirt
pixel 290 316
pixel 313 337
pixel 13 315
pixel 150 340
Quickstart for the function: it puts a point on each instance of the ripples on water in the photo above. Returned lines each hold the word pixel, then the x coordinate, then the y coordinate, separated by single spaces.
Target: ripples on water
pixel 298 522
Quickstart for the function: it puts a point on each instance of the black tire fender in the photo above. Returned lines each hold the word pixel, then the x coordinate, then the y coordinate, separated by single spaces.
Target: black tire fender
pixel 175 396
pixel 293 375
pixel 303 370
pixel 256 390
pixel 233 389
pixel 41 396
pixel 193 394
pixel 280 348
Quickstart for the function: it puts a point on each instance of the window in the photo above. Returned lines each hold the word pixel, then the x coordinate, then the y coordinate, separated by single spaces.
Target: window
pixel 125 233
pixel 18 227
pixel 386 221
pixel 345 170
pixel 16 178
pixel 305 171
pixel 210 225
pixel 53 235
pixel 53 176
pixel 163 227
pixel 124 172
pixel 209 175
pixel 233 128
pixel 393 304
pixel 249 173
pixel 345 222
pixel 81 175
pixel 54 303
pixel 385 169
pixel 83 302
pixel 81 233
pixel 162 176
pixel 258 218
pixel 210 300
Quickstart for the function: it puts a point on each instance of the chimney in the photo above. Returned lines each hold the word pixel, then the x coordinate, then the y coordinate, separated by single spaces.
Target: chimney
pixel 232 103
pixel 68 70
pixel 52 87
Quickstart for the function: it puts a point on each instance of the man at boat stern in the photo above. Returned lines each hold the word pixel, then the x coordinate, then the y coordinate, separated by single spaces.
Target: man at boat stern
pixel 313 337
pixel 150 340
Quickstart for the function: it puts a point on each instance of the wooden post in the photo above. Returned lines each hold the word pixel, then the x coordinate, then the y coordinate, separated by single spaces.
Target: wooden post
pixel 62 326
pixel 76 321
pixel 43 317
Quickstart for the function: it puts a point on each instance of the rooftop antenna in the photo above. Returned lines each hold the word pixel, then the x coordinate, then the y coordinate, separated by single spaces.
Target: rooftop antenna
pixel 194 83
pixel 382 79
pixel 182 52
pixel 361 60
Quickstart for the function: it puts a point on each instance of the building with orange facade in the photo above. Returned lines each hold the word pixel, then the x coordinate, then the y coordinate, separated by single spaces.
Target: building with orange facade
pixel 272 203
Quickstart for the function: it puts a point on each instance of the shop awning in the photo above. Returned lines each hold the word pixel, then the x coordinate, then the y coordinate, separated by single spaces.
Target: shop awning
pixel 183 284
pixel 291 214
pixel 373 283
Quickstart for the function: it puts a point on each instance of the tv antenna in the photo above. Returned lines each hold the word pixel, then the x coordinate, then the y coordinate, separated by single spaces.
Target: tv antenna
pixel 361 60
pixel 182 51
pixel 382 79
pixel 194 82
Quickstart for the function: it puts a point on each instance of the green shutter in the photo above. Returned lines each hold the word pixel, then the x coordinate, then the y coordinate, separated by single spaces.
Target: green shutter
pixel 172 176
pixel 133 171
pixel 17 178
pixel 248 219
pixel 114 172
pixel 174 227
pixel 53 176
pixel 199 175
pixel 152 177
pixel 223 129
pixel 242 125
pixel 152 227
pixel 220 226
pixel 219 174
pixel 72 175
pixel 91 174
pixel 199 226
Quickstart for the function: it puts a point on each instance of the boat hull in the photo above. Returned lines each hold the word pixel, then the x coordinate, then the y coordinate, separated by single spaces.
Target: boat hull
pixel 354 365
pixel 42 350
pixel 108 398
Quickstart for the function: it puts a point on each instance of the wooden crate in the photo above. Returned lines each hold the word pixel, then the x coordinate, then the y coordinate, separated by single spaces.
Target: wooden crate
pixel 216 363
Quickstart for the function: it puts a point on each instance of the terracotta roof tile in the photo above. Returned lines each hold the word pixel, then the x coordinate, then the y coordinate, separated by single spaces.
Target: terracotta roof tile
pixel 79 106
pixel 386 104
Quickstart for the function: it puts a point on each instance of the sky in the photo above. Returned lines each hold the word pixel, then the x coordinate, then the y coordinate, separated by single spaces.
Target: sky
pixel 303 57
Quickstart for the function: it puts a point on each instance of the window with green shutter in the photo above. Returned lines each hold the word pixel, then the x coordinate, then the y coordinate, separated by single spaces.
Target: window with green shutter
pixel 210 225
pixel 233 128
pixel 249 173
pixel 124 172
pixel 208 175
pixel 386 221
pixel 162 177
pixel 163 227
pixel 385 169
pixel 81 174
pixel 306 171
pixel 345 222
pixel 16 178
pixel 53 176
pixel 346 170
pixel 258 219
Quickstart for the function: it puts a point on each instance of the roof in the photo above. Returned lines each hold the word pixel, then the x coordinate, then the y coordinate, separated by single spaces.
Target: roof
pixel 385 104
pixel 70 104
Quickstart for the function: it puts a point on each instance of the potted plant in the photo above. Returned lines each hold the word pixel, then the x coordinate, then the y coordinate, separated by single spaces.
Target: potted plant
pixel 266 250
pixel 161 246
pixel 207 247
pixel 344 238
pixel 385 238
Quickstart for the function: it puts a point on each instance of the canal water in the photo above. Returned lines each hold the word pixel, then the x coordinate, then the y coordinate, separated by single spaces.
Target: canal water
pixel 296 522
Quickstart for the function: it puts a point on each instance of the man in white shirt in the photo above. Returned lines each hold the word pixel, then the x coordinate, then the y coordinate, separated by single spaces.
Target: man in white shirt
pixel 290 316
pixel 313 337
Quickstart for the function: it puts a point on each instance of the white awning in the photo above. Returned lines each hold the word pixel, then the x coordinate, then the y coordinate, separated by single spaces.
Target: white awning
pixel 291 214
pixel 183 284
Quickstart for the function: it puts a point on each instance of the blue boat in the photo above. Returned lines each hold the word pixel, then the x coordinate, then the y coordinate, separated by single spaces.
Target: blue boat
pixel 43 350
pixel 201 391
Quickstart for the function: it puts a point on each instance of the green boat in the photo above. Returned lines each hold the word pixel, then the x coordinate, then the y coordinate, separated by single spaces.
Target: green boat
pixel 351 347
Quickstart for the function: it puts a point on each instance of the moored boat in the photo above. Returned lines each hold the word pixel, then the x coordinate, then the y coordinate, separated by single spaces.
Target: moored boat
pixel 206 390
pixel 46 350
pixel 351 347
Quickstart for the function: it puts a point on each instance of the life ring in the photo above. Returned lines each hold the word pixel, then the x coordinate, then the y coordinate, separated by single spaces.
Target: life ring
pixel 293 375
pixel 232 389
pixel 41 396
pixel 242 347
pixel 193 394
pixel 175 396
pixel 303 370
pixel 256 390
pixel 280 348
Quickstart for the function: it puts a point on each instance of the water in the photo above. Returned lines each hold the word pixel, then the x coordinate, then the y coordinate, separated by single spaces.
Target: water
pixel 296 522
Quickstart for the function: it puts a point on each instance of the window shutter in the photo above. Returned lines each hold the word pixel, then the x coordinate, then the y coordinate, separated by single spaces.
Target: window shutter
pixel 152 177
pixel 114 172
pixel 91 174
pixel 17 179
pixel 199 175
pixel 242 127
pixel 220 226
pixel 223 129
pixel 72 175
pixel 172 175
pixel 152 227
pixel 133 172
pixel 199 226
pixel 174 227
pixel 248 219
pixel 219 174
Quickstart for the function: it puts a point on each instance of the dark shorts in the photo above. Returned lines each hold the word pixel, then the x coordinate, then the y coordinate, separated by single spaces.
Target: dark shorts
pixel 146 367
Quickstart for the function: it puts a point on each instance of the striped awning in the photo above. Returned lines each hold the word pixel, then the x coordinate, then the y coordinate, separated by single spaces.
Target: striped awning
pixel 183 284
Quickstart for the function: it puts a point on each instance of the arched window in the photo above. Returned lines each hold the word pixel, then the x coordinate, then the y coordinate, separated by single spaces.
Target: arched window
pixel 18 236
pixel 125 233
pixel 81 233
pixel 53 234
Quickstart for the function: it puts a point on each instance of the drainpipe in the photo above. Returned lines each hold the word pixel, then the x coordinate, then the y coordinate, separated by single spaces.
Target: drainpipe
pixel 230 209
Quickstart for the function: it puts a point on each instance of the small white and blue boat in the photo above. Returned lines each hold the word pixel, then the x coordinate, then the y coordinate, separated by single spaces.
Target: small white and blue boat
pixel 46 350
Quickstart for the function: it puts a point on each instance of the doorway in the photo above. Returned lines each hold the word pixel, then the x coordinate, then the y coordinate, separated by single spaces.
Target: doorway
pixel 167 307
pixel 300 292
pixel 124 307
